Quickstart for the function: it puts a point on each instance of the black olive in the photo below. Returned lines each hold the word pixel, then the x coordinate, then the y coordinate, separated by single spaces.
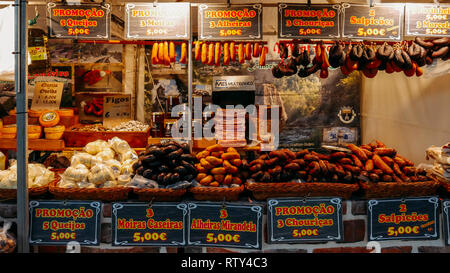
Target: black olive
pixel 147 174
pixel 181 170
pixel 163 168
pixel 140 170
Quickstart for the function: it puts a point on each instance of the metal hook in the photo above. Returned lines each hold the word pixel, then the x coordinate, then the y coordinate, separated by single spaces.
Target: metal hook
pixel 306 197
pixel 65 203
pixel 154 3
pixel 228 3
pixel 403 200
pixel 309 3
pixel 151 202
pixel 223 203
pixel 436 2
pixel 371 3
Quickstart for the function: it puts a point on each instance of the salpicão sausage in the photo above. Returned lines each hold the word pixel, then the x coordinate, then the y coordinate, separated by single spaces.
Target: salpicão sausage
pixel 358 152
pixel 166 53
pixel 161 53
pixel 155 59
pixel 197 55
pixel 262 57
pixel 226 53
pixel 241 53
pixel 183 55
pixel 256 50
pixel 232 51
pixel 172 52
pixel 248 51
pixel 204 53
pixel 377 161
pixel 217 54
pixel 211 54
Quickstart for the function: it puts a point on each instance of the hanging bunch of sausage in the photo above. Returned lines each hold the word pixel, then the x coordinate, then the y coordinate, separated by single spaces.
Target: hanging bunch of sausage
pixel 210 53
pixel 163 53
pixel 406 57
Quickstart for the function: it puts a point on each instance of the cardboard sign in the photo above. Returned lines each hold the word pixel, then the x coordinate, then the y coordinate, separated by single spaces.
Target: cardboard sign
pixel 116 109
pixel 427 20
pixel 146 21
pixel 225 225
pixel 237 22
pixel 303 21
pixel 380 22
pixel 297 220
pixel 86 21
pixel 446 216
pixel 47 95
pixel 159 224
pixel 60 222
pixel 411 218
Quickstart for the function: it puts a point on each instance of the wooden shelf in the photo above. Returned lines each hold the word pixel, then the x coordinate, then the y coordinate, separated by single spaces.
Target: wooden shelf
pixel 34 144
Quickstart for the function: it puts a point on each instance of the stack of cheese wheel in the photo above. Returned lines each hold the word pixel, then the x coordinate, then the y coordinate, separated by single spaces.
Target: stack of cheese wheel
pixel 9 131
pixel 55 132
pixel 34 131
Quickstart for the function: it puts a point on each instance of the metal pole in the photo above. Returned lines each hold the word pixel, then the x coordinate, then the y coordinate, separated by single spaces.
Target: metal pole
pixel 21 69
pixel 190 142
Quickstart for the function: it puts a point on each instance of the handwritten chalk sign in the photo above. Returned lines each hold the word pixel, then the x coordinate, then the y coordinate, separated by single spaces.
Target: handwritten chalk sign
pixel 47 95
pixel 116 109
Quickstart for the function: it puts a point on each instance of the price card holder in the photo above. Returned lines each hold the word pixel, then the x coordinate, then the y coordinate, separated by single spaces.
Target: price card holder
pixel 86 21
pixel 446 215
pixel 61 222
pixel 225 225
pixel 153 224
pixel 308 21
pixel 404 219
pixel 165 21
pixel 380 22
pixel 304 220
pixel 427 20
pixel 236 22
pixel 116 109
pixel 47 95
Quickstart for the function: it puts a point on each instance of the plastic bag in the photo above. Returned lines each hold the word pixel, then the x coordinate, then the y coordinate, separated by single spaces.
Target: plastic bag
pixel 106 154
pixel 128 155
pixel 100 173
pixel 7 240
pixel 82 158
pixel 77 173
pixel 123 179
pixel 96 147
pixel 115 166
pixel 142 183
pixel 119 146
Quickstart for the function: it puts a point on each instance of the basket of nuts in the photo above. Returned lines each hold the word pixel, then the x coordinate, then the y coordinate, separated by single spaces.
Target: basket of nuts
pixel 7 240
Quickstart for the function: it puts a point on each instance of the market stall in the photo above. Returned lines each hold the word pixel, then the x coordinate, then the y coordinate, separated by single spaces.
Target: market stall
pixel 223 126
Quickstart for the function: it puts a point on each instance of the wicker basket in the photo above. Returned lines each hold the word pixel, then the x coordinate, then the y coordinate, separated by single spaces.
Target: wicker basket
pixel 398 189
pixel 159 194
pixel 262 191
pixel 216 193
pixel 103 194
pixel 32 192
pixel 445 184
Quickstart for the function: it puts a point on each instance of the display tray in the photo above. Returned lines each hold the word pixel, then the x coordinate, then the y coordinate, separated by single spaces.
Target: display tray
pixel 262 191
pixel 34 144
pixel 80 139
pixel 159 194
pixel 216 193
pixel 398 189
pixel 103 194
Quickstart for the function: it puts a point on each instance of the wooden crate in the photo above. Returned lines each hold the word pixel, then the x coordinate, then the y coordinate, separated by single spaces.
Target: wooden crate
pixel 80 139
